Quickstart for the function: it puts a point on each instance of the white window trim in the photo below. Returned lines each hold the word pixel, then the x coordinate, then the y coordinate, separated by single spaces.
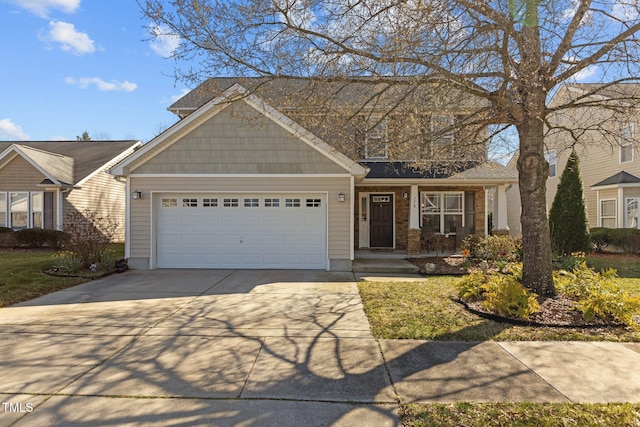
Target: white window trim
pixel 8 222
pixel 381 136
pixel 624 144
pixel 4 222
pixel 615 214
pixel 442 212
pixel 626 205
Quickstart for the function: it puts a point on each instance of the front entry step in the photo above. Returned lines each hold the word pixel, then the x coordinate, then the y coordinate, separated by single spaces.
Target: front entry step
pixel 384 266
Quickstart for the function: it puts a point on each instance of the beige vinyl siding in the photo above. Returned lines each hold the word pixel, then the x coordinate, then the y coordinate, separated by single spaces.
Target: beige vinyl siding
pixel 599 155
pixel 339 213
pixel 242 141
pixel 20 175
pixel 103 194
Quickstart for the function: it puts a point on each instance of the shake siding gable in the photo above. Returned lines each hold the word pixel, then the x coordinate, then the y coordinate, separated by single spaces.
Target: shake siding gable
pixel 239 140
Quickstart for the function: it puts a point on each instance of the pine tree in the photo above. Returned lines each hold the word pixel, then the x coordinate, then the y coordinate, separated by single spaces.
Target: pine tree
pixel 567 218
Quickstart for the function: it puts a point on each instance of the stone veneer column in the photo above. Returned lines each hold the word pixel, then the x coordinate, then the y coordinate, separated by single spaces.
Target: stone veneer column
pixel 414 235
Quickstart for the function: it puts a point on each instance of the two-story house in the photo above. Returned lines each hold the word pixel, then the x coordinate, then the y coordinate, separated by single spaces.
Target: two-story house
pixel 291 174
pixel 607 149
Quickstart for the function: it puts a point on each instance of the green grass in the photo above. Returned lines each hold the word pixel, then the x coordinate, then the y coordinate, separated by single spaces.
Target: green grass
pixel 426 310
pixel 521 414
pixel 625 267
pixel 22 278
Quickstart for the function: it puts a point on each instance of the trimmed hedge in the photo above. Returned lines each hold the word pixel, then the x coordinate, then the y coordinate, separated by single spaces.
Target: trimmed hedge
pixel 38 237
pixel 627 239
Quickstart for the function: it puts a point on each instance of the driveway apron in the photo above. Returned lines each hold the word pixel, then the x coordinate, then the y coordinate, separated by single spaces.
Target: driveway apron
pixel 215 347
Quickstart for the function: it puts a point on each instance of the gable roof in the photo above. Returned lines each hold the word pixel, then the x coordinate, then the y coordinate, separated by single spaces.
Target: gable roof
pixel 288 94
pixel 213 107
pixel 621 177
pixel 68 162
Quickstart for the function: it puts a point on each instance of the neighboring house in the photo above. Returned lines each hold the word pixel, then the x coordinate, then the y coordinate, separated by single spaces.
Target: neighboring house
pixel 42 181
pixel 609 160
pixel 246 180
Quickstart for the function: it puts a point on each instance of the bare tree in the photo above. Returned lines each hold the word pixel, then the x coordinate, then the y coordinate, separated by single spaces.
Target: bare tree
pixel 512 54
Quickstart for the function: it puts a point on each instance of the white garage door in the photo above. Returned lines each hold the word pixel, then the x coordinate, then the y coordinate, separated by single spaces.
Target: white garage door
pixel 199 230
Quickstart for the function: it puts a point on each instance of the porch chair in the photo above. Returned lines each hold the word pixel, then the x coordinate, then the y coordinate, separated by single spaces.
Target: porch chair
pixel 461 234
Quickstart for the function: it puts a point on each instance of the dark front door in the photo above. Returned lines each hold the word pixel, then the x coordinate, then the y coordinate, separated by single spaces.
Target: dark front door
pixel 381 225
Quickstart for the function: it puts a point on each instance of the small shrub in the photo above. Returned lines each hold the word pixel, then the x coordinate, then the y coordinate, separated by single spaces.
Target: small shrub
pixel 38 237
pixel 598 295
pixel 503 248
pixel 474 244
pixel 627 239
pixel 507 297
pixel 89 235
pixel 470 286
pixel 600 238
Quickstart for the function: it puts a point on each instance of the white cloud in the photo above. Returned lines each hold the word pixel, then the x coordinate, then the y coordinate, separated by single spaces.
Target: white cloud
pixel 10 131
pixel 586 73
pixel 43 7
pixel 69 38
pixel 625 10
pixel 164 43
pixel 102 85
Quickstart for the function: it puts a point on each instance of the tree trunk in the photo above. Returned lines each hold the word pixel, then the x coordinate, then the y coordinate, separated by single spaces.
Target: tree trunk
pixel 537 273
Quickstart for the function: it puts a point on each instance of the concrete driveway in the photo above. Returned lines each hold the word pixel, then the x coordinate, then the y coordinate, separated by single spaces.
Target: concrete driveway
pixel 197 347
pixel 263 348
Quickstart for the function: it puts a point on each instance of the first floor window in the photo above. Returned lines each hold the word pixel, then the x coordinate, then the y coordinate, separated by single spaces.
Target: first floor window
pixel 37 210
pixel 608 213
pixel 19 210
pixel 442 212
pixel 3 209
pixel 631 213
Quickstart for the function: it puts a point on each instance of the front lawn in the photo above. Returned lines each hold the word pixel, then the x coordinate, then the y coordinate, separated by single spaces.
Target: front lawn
pixel 22 278
pixel 521 414
pixel 426 310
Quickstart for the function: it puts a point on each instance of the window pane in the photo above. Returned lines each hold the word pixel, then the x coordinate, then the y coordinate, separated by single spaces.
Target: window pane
pixel 431 223
pixel 550 157
pixel 608 208
pixel 3 209
pixel 453 203
pixel 608 222
pixel 631 214
pixel 452 223
pixel 430 203
pixel 37 207
pixel 626 153
pixel 19 210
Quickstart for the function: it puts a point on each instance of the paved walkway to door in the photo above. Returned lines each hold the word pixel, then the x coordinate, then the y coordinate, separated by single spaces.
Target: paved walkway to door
pixel 263 348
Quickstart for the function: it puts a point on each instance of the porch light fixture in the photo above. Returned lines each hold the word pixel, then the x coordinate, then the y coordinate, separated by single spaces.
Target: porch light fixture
pixel 341 197
pixel 135 195
pixel 405 195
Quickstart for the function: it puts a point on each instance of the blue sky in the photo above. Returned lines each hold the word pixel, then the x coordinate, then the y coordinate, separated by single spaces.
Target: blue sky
pixel 74 65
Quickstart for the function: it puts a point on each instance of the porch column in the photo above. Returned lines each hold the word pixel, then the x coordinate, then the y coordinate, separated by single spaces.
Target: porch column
pixel 414 244
pixel 621 208
pixel 500 224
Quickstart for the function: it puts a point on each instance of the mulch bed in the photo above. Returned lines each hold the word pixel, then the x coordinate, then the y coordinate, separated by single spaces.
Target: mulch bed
pixel 451 265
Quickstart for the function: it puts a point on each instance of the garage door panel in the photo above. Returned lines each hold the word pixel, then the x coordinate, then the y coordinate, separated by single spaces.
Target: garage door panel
pixel 269 235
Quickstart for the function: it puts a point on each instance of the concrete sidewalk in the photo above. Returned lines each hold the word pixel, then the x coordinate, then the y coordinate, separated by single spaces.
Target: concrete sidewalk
pixel 263 348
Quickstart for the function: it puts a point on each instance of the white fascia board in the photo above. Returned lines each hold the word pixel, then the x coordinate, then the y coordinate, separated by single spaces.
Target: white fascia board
pixel 613 186
pixel 239 175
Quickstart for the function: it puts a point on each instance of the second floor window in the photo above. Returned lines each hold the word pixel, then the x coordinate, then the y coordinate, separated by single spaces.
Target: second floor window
pixel 551 158
pixel 626 144
pixel 442 134
pixel 376 139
